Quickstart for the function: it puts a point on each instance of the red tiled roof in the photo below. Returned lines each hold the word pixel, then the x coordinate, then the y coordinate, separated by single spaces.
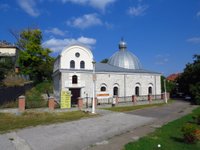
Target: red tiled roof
pixel 173 76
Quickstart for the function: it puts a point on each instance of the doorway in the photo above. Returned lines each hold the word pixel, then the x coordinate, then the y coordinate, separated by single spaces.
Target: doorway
pixel 76 92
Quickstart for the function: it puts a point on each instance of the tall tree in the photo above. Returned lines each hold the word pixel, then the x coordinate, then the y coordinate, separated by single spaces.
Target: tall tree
pixel 34 60
pixel 189 81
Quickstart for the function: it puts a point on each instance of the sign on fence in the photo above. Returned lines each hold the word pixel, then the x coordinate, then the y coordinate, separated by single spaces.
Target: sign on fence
pixel 65 99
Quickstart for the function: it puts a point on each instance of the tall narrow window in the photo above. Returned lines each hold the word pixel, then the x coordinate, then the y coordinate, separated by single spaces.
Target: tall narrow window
pixel 115 91
pixel 137 91
pixel 82 64
pixel 74 79
pixel 72 64
pixel 150 90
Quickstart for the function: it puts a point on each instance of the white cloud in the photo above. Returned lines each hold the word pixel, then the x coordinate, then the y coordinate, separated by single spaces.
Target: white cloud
pixel 56 31
pixel 137 11
pixel 99 4
pixel 29 6
pixel 4 7
pixel 195 40
pixel 198 14
pixel 85 21
pixel 57 45
pixel 161 59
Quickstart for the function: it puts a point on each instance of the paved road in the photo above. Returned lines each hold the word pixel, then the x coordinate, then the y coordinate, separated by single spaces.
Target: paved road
pixel 81 134
pixel 161 115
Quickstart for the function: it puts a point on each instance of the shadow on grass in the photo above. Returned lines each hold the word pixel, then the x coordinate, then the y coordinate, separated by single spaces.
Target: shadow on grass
pixel 177 139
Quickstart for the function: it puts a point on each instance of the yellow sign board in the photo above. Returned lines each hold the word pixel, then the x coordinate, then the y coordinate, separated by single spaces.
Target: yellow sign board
pixel 65 99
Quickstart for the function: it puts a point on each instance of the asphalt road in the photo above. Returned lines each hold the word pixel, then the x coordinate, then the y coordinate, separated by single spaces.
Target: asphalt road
pixel 161 115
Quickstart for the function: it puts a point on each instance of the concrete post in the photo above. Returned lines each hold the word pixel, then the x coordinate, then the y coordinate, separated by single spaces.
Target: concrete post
pixel 21 103
pixel 96 102
pixel 149 98
pixel 51 103
pixel 162 96
pixel 134 99
pixel 80 103
pixel 117 100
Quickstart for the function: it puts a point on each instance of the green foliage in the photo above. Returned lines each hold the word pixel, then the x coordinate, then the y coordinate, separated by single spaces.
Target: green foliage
pixel 34 60
pixel 170 86
pixel 6 65
pixel 104 60
pixel 189 133
pixel 189 81
pixel 195 91
pixel 34 97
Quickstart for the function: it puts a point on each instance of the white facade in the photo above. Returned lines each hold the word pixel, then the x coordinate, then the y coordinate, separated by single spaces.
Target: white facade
pixel 8 51
pixel 78 78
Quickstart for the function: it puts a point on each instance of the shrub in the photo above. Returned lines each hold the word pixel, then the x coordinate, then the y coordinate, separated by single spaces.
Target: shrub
pixel 190 133
pixel 196 119
pixel 34 98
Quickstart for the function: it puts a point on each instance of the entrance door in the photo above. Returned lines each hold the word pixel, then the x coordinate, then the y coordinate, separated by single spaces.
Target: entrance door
pixel 76 92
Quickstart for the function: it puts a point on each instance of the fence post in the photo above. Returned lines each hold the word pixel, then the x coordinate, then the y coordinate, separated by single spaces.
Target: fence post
pixel 96 102
pixel 51 103
pixel 134 99
pixel 117 100
pixel 80 103
pixel 149 98
pixel 21 103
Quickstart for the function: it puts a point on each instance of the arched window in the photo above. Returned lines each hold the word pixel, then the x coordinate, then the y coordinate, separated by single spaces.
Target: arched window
pixel 74 79
pixel 150 90
pixel 103 88
pixel 115 91
pixel 82 64
pixel 137 91
pixel 72 64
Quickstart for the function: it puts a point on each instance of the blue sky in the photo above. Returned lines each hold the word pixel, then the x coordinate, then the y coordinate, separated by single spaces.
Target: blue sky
pixel 163 34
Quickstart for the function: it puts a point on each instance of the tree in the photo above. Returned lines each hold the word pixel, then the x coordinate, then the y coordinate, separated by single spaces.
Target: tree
pixel 6 65
pixel 104 60
pixel 34 60
pixel 189 81
pixel 170 85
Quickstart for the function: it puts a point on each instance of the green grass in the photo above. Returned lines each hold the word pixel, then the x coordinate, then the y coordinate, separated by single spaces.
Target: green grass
pixel 169 137
pixel 11 122
pixel 131 108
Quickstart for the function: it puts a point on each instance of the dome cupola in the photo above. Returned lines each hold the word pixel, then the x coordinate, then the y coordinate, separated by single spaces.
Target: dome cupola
pixel 124 59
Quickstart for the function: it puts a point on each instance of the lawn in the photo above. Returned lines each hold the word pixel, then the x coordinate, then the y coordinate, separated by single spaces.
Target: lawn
pixel 131 108
pixel 169 137
pixel 11 121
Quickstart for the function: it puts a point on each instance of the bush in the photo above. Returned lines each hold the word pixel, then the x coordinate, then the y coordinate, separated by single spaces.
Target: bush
pixel 197 119
pixel 34 98
pixel 190 133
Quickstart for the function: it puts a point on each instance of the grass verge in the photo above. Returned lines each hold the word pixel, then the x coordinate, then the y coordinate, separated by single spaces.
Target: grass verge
pixel 169 137
pixel 10 122
pixel 131 108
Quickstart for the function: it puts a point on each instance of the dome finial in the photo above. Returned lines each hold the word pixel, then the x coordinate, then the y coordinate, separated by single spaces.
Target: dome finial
pixel 122 44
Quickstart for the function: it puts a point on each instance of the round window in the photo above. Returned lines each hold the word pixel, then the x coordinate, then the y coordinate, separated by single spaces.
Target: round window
pixel 77 54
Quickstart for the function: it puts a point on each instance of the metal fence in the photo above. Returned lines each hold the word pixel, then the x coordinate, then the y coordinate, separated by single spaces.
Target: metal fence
pixel 8 94
pixel 143 99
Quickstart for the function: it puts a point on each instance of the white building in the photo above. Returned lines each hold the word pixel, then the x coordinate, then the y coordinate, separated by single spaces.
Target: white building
pixel 8 51
pixel 122 76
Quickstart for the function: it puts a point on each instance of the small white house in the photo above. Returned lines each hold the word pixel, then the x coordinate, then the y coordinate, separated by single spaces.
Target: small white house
pixel 8 51
pixel 122 76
